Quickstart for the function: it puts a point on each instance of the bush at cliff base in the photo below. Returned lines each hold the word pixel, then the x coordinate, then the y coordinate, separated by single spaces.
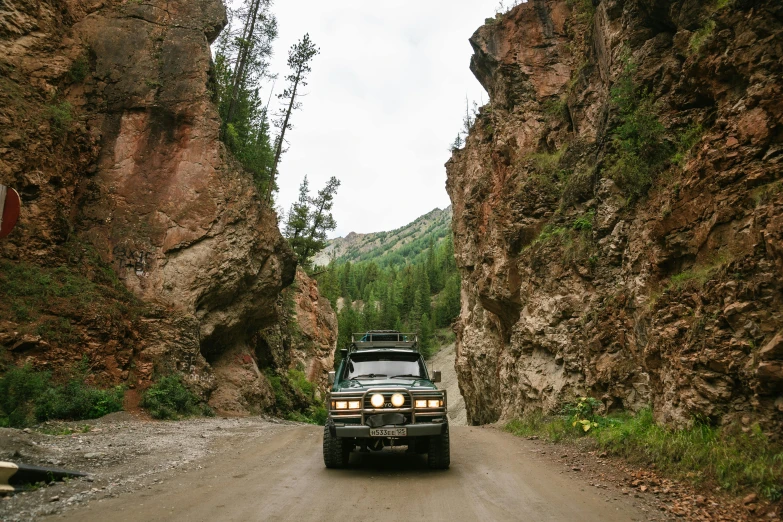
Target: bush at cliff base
pixel 727 456
pixel 169 398
pixel 295 397
pixel 28 396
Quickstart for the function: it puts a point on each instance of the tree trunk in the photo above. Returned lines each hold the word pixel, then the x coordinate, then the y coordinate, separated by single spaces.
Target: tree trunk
pixel 245 48
pixel 279 149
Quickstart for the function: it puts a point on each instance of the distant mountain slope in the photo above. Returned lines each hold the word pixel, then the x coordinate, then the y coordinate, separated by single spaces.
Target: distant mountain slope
pixel 396 247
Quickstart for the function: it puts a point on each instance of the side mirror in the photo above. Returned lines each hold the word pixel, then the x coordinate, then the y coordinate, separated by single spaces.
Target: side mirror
pixel 436 376
pixel 331 377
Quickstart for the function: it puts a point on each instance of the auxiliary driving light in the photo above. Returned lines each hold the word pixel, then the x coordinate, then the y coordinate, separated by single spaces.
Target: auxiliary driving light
pixel 398 400
pixel 377 400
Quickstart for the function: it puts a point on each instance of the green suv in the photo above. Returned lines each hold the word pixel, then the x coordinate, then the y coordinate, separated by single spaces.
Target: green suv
pixel 382 397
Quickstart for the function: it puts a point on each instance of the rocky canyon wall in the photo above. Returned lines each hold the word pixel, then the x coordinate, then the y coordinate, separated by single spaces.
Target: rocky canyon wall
pixel 663 291
pixel 110 133
pixel 306 338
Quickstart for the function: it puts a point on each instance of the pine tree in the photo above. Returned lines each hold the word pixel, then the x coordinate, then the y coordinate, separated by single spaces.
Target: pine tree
pixel 300 56
pixel 321 221
pixel 298 218
pixel 309 220
pixel 241 65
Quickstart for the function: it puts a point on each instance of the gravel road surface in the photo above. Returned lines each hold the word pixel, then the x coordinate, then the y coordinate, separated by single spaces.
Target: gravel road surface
pixel 494 476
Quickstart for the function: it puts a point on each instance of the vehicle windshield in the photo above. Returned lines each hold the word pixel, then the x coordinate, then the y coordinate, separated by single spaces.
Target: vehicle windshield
pixel 378 365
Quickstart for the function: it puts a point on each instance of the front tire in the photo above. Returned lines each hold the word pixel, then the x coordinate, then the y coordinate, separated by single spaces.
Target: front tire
pixel 438 455
pixel 337 451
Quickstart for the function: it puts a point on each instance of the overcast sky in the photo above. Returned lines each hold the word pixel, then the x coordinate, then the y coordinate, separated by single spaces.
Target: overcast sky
pixel 385 99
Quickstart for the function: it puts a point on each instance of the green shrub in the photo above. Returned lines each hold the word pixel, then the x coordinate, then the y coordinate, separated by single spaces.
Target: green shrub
pixel 735 460
pixel 301 385
pixel 79 70
pixel 639 140
pixel 295 397
pixel 701 36
pixel 60 115
pixel 28 396
pixel 75 401
pixel 169 398
pixel 315 414
pixel 584 222
pixel 282 400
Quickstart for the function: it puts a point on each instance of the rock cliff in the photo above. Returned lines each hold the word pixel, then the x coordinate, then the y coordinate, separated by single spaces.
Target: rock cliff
pixel 306 337
pixel 586 270
pixel 110 133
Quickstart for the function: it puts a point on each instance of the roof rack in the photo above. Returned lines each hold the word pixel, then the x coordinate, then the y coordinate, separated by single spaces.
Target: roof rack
pixel 383 339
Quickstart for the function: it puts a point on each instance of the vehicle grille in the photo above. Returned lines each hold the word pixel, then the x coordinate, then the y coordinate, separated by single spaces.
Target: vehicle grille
pixel 386 400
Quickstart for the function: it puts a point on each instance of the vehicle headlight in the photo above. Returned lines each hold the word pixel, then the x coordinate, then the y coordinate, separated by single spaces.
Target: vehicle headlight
pixel 377 400
pixel 354 405
pixel 340 405
pixel 397 400
pixel 429 403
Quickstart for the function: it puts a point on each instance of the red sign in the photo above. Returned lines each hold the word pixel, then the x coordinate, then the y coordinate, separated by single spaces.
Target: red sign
pixel 9 209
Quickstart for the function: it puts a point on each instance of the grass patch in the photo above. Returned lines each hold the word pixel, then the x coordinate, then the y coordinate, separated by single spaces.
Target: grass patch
pixel 575 237
pixel 28 396
pixel 700 37
pixel 685 142
pixel 169 398
pixel 766 193
pixel 697 276
pixel 60 116
pixel 583 10
pixel 546 162
pixel 50 301
pixel 556 108
pixel 444 336
pixel 549 233
pixel 734 460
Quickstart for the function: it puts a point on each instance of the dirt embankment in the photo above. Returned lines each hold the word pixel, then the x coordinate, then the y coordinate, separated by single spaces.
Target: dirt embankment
pixel 444 362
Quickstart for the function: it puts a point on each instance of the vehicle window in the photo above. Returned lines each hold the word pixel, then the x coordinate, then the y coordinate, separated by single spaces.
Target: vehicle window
pixel 384 337
pixel 387 365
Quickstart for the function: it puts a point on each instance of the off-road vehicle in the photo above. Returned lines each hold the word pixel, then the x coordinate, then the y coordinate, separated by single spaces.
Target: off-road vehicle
pixel 382 396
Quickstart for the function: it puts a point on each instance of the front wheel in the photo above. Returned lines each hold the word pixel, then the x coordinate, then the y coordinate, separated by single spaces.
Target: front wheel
pixel 438 455
pixel 337 451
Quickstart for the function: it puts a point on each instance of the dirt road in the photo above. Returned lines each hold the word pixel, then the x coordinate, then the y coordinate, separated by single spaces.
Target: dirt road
pixel 494 476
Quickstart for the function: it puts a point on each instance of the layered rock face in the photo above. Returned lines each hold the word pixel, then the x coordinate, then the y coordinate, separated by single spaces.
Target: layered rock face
pixel 573 284
pixel 111 135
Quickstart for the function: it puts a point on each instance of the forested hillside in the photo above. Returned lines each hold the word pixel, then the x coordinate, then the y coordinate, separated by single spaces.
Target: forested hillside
pixel 405 279
pixel 392 247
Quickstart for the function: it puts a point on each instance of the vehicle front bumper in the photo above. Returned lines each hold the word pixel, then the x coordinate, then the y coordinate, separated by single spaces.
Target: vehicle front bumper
pixel 414 430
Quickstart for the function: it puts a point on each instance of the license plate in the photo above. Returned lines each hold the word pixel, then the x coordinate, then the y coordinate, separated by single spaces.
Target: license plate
pixel 388 432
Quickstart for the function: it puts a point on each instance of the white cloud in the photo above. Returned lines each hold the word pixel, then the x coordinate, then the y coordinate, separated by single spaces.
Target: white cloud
pixel 385 99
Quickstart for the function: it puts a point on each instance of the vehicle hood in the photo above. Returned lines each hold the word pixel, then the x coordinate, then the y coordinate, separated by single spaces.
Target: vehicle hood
pixel 365 384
